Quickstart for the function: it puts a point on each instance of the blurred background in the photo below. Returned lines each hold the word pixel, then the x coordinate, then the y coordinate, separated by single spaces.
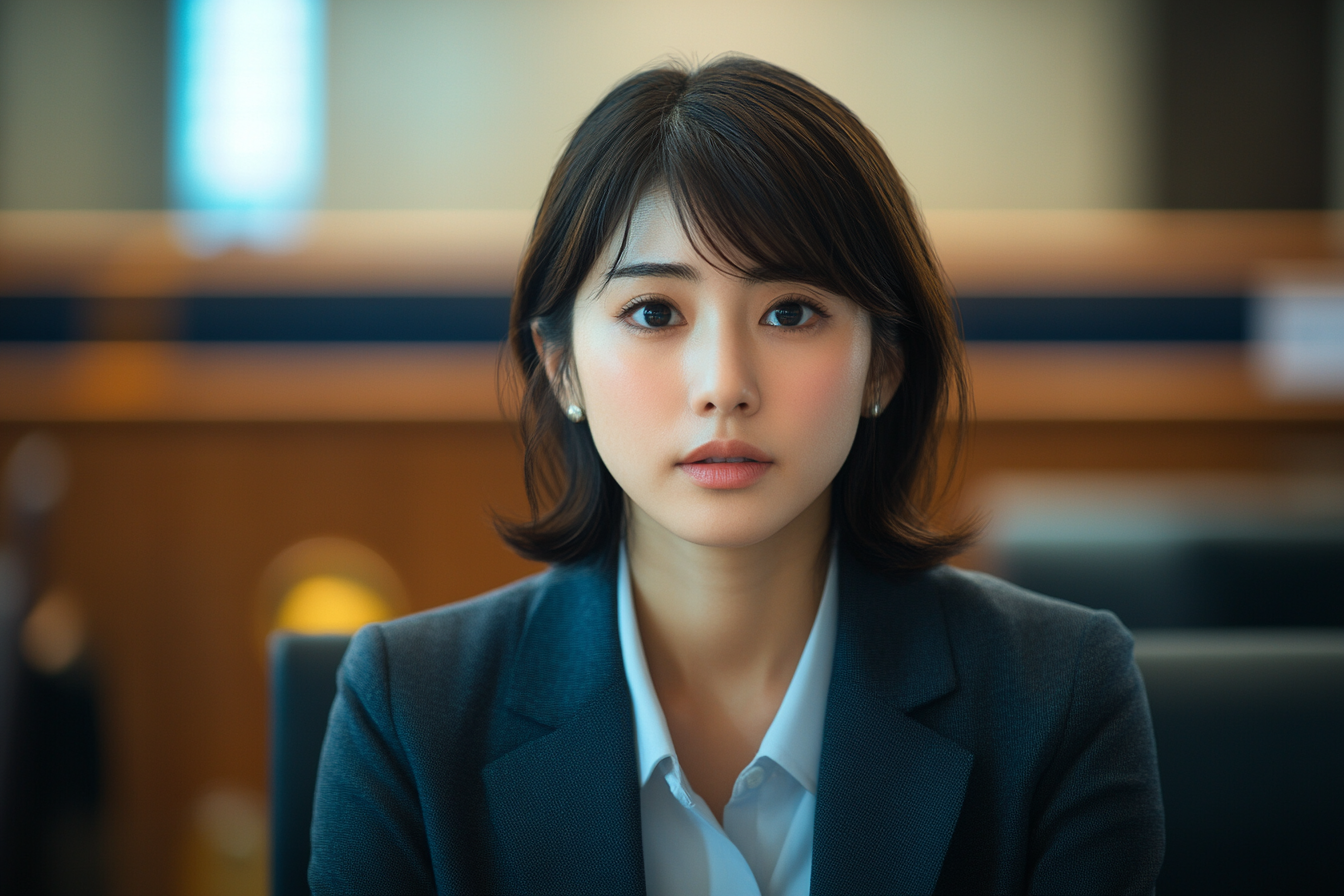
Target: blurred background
pixel 255 258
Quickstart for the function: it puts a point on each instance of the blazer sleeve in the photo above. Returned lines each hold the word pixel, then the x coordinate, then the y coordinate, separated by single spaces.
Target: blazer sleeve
pixel 368 833
pixel 1097 818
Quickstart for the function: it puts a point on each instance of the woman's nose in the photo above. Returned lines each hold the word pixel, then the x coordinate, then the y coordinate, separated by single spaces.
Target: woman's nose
pixel 722 373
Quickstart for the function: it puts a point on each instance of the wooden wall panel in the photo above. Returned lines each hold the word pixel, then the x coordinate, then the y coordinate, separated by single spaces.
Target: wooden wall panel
pixel 164 535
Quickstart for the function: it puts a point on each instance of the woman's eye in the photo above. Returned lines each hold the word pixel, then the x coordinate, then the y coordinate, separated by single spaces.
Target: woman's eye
pixel 789 314
pixel 654 315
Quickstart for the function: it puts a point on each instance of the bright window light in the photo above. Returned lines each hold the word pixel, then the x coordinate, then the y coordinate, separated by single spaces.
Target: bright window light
pixel 245 120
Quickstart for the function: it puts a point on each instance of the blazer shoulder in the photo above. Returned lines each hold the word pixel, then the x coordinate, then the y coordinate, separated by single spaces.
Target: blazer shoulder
pixel 473 624
pixel 461 648
pixel 979 601
pixel 994 624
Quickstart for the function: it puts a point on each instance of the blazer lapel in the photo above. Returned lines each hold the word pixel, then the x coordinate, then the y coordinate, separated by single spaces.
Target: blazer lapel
pixel 564 807
pixel 890 790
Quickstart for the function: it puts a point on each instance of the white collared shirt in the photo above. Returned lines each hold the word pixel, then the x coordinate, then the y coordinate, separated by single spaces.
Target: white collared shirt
pixel 764 846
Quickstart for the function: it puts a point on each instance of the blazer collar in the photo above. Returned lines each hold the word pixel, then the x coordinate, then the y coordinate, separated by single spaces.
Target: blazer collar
pixel 569 651
pixel 890 789
pixel 564 807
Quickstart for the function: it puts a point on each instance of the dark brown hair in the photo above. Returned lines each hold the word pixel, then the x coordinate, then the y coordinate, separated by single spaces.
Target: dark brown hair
pixel 760 161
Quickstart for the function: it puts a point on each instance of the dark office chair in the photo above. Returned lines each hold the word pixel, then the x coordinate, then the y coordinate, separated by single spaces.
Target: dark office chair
pixel 303 686
pixel 1250 740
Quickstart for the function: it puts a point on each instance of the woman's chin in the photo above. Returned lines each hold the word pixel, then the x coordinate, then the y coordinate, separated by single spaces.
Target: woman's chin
pixel 719 529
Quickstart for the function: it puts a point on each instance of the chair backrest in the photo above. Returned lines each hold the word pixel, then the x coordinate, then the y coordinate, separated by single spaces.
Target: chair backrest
pixel 303 686
pixel 1250 745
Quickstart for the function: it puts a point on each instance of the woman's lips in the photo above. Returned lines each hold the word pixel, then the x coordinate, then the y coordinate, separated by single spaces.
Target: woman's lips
pixel 714 473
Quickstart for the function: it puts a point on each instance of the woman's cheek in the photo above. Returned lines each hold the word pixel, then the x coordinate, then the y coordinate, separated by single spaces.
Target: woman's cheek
pixel 824 394
pixel 632 384
pixel 632 401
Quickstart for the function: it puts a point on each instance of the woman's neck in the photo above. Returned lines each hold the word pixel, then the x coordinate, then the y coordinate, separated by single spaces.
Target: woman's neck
pixel 723 630
pixel 729 611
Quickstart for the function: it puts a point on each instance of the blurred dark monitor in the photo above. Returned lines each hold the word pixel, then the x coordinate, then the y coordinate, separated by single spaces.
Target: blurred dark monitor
pixel 1274 579
pixel 1167 553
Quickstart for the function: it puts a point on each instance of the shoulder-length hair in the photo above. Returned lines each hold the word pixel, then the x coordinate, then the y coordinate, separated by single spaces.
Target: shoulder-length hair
pixel 760 161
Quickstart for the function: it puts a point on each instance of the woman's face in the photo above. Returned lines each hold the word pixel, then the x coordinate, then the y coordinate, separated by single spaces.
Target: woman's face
pixel 723 406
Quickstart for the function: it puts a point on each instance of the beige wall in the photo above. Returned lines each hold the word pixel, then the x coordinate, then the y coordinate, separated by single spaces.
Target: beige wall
pixel 982 103
pixel 466 103
pixel 81 103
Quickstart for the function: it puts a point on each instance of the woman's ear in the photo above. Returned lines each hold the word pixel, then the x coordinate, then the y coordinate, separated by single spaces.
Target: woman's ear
pixel 550 356
pixel 549 359
pixel 882 385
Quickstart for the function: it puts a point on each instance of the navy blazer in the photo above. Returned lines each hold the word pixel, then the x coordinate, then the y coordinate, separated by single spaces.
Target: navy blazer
pixel 978 739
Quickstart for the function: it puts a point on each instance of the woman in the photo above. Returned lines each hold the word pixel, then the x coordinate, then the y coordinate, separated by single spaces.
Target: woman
pixel 746 670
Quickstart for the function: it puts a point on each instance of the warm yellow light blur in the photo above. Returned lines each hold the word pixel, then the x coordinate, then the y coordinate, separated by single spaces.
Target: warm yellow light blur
pixel 326 604
pixel 326 585
pixel 225 847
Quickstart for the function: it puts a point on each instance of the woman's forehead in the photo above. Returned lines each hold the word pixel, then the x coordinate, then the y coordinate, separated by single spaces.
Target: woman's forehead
pixel 657 232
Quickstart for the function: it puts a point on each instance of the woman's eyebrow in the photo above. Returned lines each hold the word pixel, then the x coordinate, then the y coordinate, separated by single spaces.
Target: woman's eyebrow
pixel 682 271
pixel 675 270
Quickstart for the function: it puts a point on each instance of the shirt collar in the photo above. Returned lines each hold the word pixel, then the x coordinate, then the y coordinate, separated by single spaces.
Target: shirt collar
pixel 651 734
pixel 793 740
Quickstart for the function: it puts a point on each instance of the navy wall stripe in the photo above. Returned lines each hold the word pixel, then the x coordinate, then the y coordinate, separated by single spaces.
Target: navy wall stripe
pixel 1105 319
pixel 485 319
pixel 38 318
pixel 344 319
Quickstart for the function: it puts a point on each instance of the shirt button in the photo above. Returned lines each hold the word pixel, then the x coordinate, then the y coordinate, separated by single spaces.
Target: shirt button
pixel 753 778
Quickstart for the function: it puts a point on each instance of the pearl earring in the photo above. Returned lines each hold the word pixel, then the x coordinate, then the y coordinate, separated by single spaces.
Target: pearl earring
pixel 877 408
pixel 574 413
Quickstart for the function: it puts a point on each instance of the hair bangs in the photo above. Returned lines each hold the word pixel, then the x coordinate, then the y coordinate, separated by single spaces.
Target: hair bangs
pixel 751 204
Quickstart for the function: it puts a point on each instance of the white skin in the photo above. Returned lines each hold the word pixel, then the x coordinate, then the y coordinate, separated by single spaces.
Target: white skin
pixel 726 581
